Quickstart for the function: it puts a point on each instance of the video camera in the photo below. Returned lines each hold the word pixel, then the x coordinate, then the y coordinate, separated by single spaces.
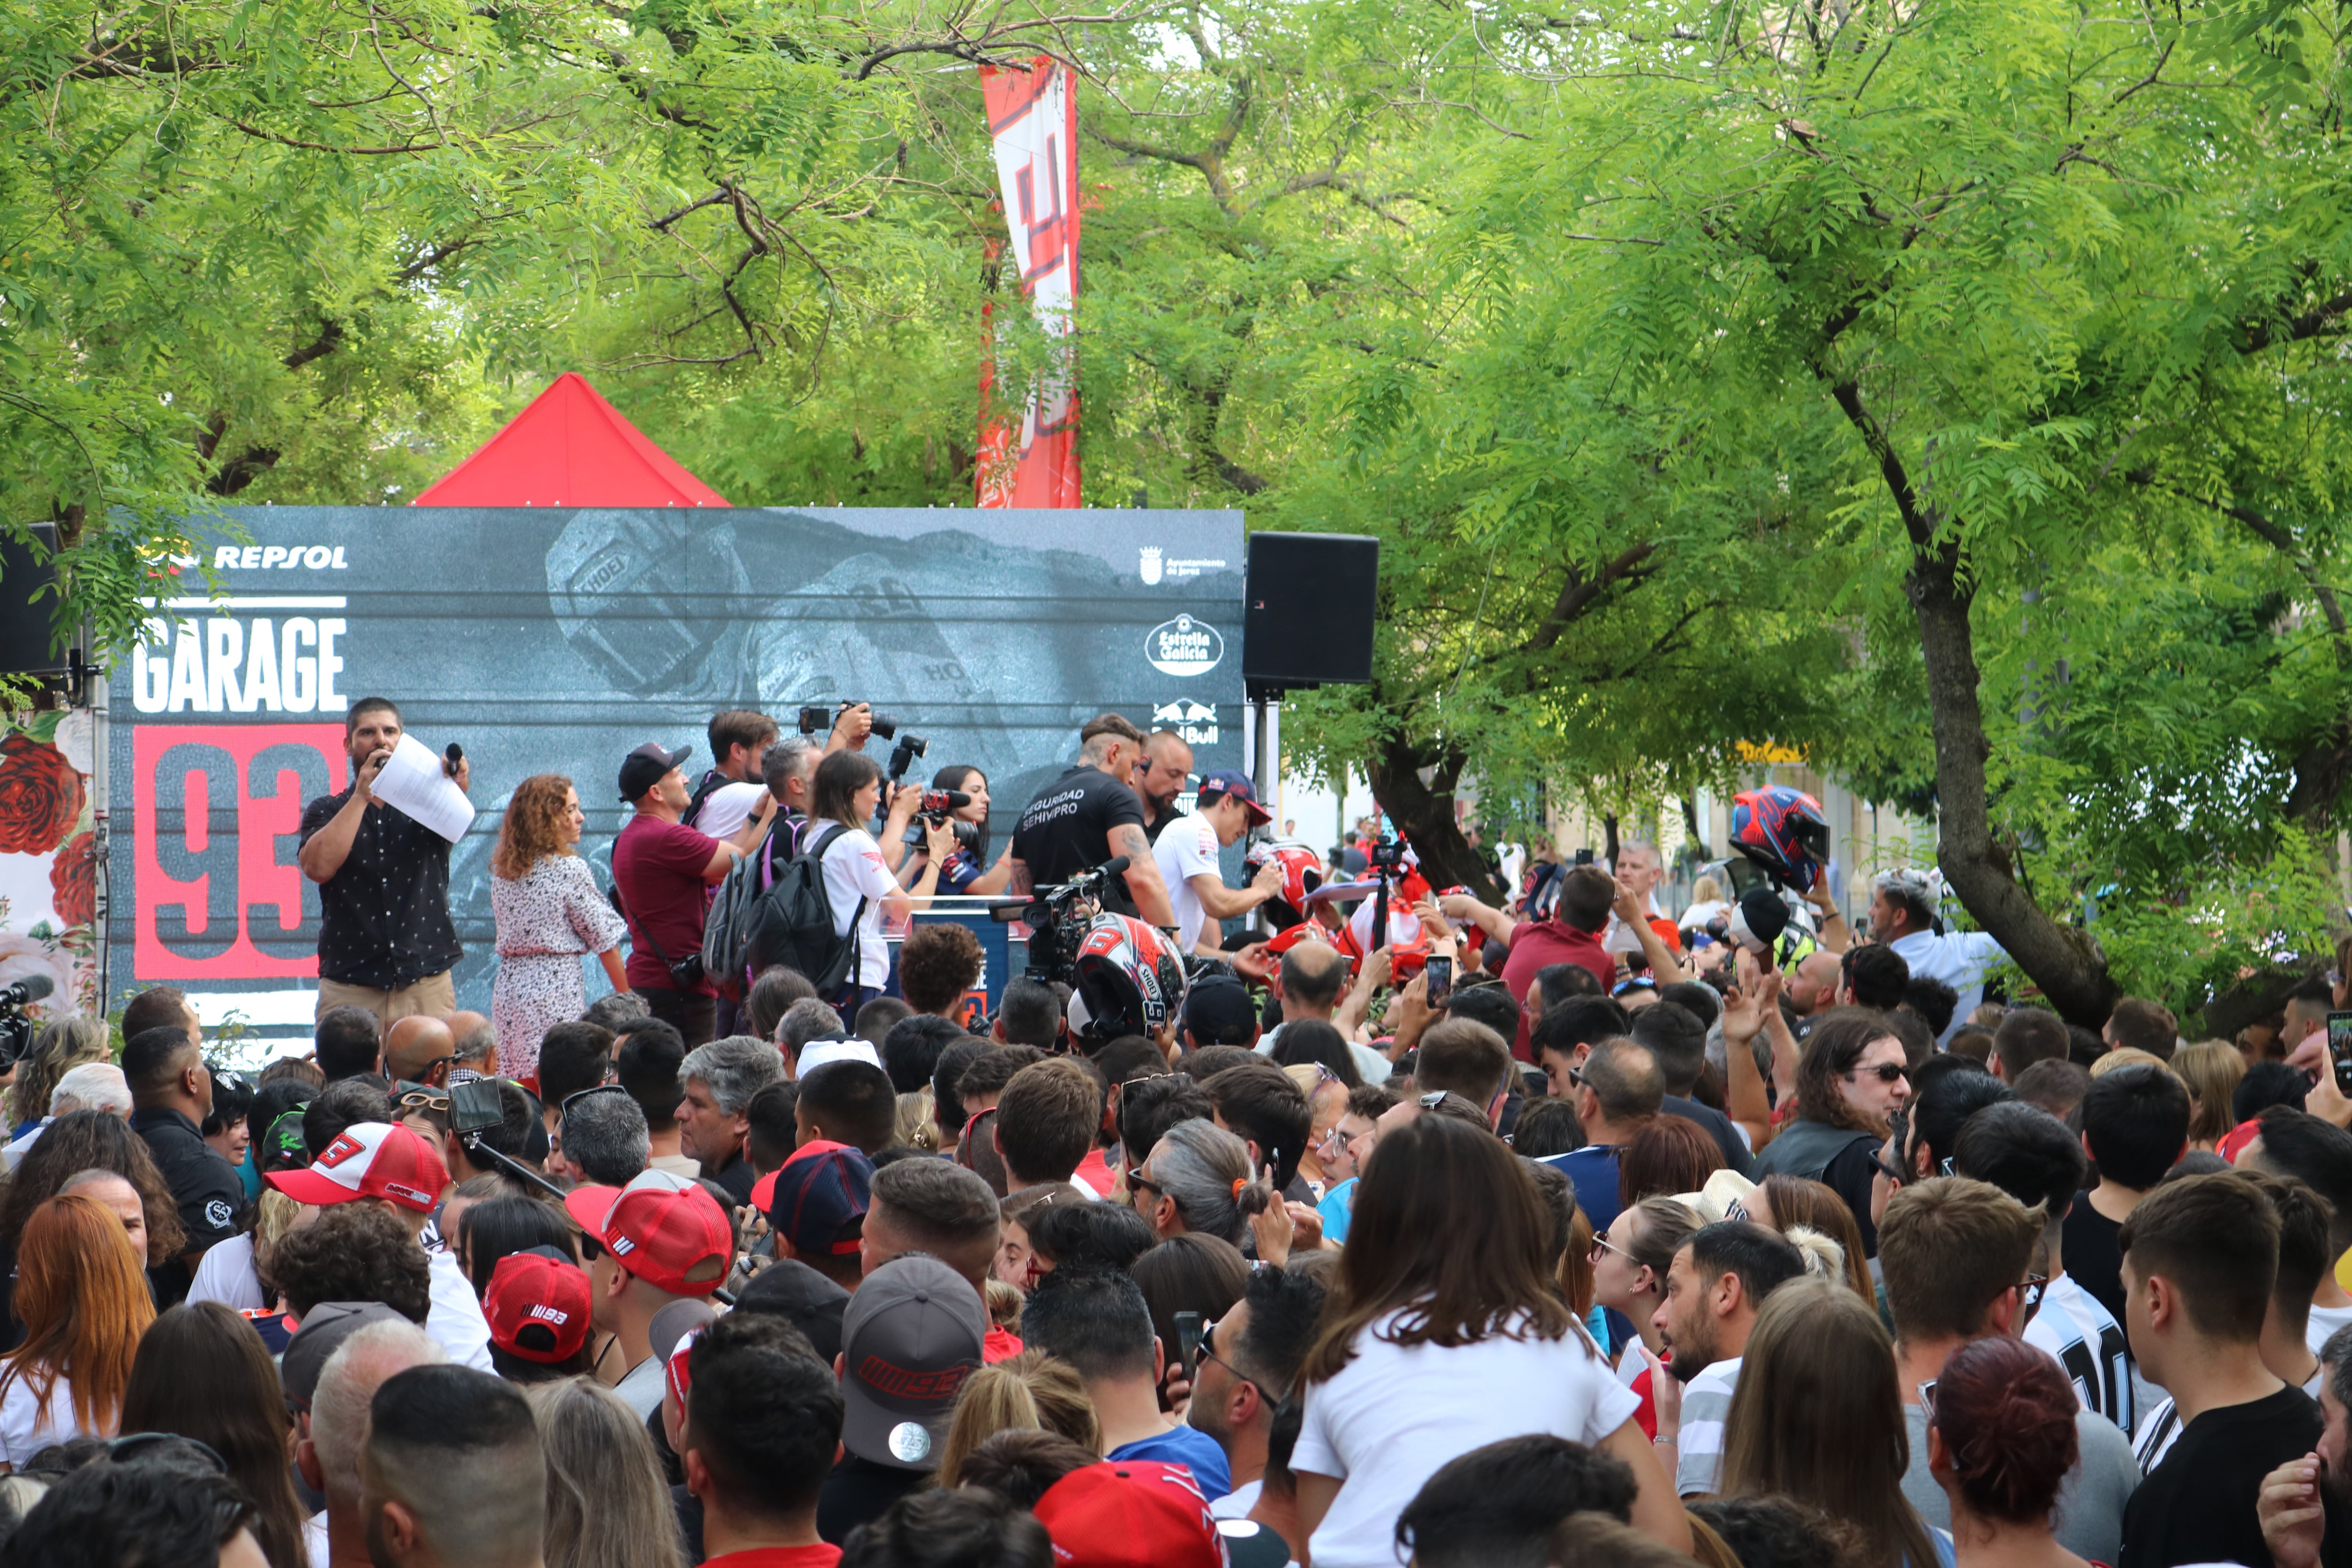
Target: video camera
pixel 1387 855
pixel 1058 921
pixel 15 1030
pixel 818 720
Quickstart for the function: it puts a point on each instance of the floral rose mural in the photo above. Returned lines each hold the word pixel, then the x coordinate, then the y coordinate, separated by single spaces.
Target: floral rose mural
pixel 40 796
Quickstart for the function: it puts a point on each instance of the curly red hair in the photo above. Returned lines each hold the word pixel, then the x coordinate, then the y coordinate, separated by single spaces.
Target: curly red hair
pixel 533 826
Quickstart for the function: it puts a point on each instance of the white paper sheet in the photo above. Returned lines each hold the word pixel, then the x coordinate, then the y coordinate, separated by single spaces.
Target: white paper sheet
pixel 413 781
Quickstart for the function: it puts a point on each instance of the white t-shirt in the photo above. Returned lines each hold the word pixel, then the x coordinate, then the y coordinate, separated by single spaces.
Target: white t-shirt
pixel 727 809
pixel 1187 848
pixel 454 1320
pixel 1393 1414
pixel 28 1425
pixel 2324 1321
pixel 1959 959
pixel 225 1274
pixel 854 869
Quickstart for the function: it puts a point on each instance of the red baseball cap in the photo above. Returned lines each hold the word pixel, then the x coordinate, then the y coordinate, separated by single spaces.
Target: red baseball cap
pixel 538 1306
pixel 1130 1514
pixel 371 1160
pixel 662 1228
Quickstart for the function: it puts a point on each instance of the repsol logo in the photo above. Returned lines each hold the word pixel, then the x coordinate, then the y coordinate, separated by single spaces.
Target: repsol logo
pixel 263 557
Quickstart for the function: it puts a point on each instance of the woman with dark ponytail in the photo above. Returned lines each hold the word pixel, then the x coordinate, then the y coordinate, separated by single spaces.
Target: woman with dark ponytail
pixel 2001 1436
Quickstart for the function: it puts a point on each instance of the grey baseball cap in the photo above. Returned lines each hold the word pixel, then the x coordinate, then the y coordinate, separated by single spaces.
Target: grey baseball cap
pixel 911 1335
pixel 324 1329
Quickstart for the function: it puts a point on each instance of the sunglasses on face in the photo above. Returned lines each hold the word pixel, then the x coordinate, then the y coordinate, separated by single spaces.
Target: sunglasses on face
pixel 1885 1072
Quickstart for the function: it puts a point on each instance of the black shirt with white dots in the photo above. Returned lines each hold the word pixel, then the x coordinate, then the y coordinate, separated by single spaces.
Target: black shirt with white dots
pixel 384 914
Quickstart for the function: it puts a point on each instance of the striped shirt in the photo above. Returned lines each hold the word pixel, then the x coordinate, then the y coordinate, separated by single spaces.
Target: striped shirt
pixel 1698 1444
pixel 2082 1337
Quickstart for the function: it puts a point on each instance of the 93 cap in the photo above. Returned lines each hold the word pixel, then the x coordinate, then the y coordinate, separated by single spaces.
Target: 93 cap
pixel 913 1332
pixel 1236 785
pixel 537 1306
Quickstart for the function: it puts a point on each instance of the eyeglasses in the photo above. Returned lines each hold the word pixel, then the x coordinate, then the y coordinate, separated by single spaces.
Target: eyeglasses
pixel 1601 1243
pixel 575 1097
pixel 1878 1162
pixel 1885 1072
pixel 1137 1178
pixel 1928 1399
pixel 1207 1351
pixel 424 1100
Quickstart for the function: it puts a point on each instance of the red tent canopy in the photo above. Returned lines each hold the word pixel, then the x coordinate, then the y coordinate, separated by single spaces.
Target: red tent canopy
pixel 569 447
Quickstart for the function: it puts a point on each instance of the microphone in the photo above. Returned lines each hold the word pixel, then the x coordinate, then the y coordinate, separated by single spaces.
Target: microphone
pixel 31 988
pixel 1112 867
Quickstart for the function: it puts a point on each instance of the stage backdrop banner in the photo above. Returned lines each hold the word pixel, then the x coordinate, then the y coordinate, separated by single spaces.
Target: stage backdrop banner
pixel 555 640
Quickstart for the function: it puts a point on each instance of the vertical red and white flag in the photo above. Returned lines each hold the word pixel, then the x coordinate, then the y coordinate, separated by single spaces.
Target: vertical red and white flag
pixel 1033 116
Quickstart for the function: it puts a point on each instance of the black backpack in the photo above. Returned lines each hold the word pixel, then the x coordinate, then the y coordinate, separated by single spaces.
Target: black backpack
pixel 791 922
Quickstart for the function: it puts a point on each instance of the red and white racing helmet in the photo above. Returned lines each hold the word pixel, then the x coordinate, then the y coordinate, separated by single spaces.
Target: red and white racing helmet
pixel 1130 978
pixel 1302 873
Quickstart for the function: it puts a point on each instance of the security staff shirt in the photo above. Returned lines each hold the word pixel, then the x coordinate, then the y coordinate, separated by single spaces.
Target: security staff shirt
pixel 1066 830
pixel 203 1183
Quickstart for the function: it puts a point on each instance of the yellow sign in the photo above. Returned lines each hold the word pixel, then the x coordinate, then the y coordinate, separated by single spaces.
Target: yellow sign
pixel 1772 753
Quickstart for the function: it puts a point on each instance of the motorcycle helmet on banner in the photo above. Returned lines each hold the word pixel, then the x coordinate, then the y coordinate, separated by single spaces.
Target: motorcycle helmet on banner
pixel 1782 830
pixel 1129 977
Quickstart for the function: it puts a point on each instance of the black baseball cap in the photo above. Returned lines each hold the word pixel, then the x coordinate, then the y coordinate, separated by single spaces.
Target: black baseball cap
pixel 1218 1011
pixel 646 767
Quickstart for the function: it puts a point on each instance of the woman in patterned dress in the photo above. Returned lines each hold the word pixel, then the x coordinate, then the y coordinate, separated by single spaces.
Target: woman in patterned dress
pixel 548 911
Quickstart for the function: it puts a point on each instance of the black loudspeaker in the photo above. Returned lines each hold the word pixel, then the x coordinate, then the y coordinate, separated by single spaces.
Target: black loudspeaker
pixel 1308 620
pixel 26 623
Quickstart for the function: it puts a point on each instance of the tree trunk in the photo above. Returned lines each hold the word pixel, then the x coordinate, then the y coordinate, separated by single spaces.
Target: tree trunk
pixel 1423 813
pixel 2063 961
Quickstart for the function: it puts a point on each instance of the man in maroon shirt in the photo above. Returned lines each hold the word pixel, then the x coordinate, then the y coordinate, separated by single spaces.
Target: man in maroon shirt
pixel 1572 935
pixel 660 868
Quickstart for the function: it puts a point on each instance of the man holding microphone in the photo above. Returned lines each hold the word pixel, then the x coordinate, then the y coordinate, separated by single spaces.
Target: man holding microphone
pixel 385 943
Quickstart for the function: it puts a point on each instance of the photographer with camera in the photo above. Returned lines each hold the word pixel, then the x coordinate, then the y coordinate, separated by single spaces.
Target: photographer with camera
pixel 660 868
pixel 1226 808
pixel 1088 815
pixel 966 868
pixel 858 882
pixel 730 789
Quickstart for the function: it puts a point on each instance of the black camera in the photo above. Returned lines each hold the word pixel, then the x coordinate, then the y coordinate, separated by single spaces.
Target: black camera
pixel 1058 918
pixel 819 720
pixel 1386 854
pixel 941 802
pixel 902 757
pixel 15 1030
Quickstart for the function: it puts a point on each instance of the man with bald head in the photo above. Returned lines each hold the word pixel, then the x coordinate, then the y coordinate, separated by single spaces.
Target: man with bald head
pixel 334 1429
pixel 1160 775
pixel 418 1049
pixel 475 1048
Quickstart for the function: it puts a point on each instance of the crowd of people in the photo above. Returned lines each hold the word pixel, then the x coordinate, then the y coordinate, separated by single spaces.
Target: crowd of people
pixel 1618 1246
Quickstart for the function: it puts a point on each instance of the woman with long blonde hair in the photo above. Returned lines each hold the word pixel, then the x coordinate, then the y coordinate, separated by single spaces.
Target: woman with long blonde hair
pixel 549 913
pixel 1817 1416
pixel 1029 1390
pixel 82 1296
pixel 2212 1070
pixel 608 1505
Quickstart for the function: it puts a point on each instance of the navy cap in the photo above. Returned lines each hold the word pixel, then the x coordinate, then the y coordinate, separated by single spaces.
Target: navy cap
pixel 1233 782
pixel 820 1198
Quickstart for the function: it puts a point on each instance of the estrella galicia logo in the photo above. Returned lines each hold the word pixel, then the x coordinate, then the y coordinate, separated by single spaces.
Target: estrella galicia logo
pixel 1147 565
pixel 1183 646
